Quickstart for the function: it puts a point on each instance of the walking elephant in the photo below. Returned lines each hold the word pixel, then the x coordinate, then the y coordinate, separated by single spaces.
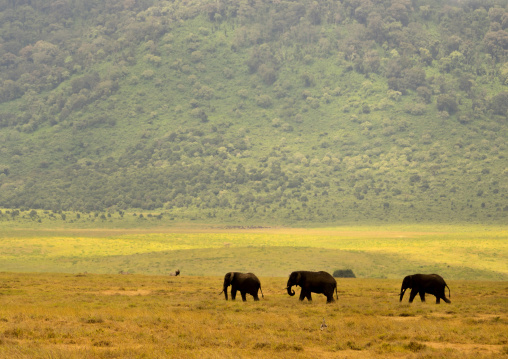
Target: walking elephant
pixel 246 283
pixel 313 282
pixel 425 283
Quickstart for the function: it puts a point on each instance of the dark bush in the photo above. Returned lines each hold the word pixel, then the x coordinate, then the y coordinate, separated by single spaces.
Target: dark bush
pixel 344 273
pixel 88 82
pixel 267 73
pixel 499 104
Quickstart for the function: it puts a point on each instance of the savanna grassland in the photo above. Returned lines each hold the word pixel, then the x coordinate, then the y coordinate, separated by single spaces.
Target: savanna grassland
pixel 149 316
pixel 141 137
pixel 70 292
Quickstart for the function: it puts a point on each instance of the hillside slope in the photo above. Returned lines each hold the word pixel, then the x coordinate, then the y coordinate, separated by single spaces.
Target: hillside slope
pixel 283 112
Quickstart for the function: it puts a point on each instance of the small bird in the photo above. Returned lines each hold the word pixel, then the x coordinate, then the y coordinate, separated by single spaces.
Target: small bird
pixel 323 325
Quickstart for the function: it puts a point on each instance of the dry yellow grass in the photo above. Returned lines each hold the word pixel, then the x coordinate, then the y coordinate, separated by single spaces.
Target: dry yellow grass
pixel 138 316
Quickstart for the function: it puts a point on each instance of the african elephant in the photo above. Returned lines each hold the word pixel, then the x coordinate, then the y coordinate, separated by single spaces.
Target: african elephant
pixel 313 282
pixel 425 283
pixel 246 283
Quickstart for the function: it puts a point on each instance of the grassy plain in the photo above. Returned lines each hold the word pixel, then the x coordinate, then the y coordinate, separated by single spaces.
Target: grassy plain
pixel 61 294
pixel 457 252
pixel 47 315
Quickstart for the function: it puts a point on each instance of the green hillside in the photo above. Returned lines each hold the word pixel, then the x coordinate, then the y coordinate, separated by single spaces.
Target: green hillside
pixel 276 112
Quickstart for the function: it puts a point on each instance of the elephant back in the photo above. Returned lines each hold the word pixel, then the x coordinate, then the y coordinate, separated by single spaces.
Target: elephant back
pixel 319 277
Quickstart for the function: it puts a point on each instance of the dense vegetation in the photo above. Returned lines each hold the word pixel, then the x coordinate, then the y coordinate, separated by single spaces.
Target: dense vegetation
pixel 284 111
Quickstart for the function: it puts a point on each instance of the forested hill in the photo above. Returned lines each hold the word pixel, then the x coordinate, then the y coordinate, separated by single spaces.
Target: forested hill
pixel 257 110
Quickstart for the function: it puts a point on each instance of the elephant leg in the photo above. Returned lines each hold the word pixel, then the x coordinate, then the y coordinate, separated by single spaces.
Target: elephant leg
pixel 444 298
pixel 412 295
pixel 309 296
pixel 330 298
pixel 233 293
pixel 438 299
pixel 303 294
pixel 422 295
pixel 255 295
pixel 244 296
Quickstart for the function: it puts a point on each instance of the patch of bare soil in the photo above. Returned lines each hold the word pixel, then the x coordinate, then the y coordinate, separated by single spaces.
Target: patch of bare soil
pixel 126 292
pixel 467 348
pixel 488 317
pixel 310 352
pixel 408 317
pixel 405 318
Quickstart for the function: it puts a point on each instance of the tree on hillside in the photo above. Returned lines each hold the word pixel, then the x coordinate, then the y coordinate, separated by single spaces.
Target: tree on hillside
pixel 496 44
pixel 448 103
pixel 499 104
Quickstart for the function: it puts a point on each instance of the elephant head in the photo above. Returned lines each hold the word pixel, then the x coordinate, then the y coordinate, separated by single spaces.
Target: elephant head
pixel 406 283
pixel 294 279
pixel 228 280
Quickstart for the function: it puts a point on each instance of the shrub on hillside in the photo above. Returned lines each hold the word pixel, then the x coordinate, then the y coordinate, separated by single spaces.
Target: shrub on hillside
pixel 499 104
pixel 264 101
pixel 448 103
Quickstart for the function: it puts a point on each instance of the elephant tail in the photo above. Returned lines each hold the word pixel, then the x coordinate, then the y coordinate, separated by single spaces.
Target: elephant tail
pixel 449 294
pixel 336 294
pixel 262 295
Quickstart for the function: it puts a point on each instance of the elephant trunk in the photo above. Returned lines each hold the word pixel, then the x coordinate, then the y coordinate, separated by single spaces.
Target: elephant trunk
pixel 290 292
pixel 402 291
pixel 225 290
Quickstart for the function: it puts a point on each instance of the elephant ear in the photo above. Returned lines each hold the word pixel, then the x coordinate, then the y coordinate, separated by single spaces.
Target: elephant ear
pixel 298 277
pixel 227 279
pixel 231 277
